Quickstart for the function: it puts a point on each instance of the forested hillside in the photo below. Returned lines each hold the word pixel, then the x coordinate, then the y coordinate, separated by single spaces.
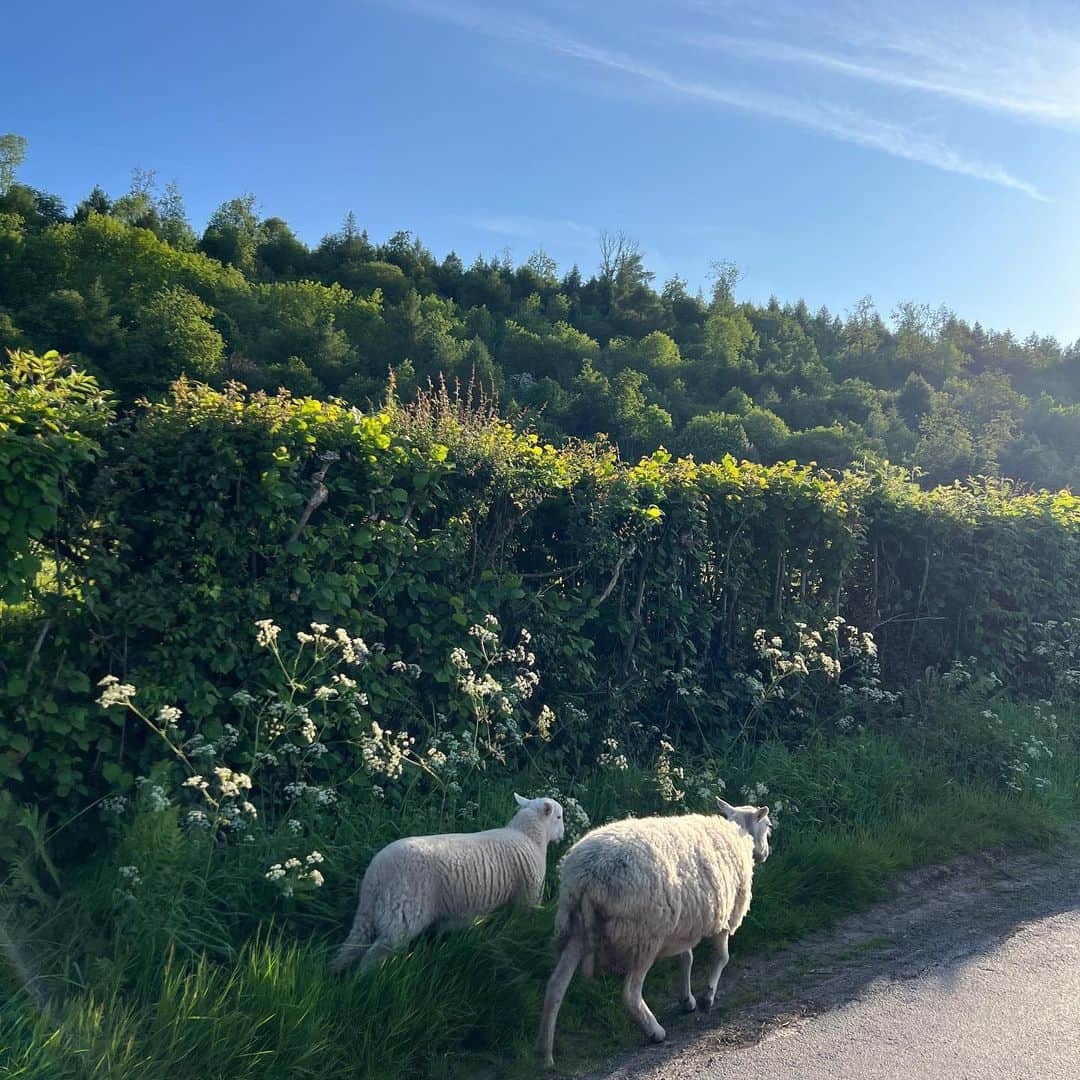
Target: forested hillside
pixel 127 286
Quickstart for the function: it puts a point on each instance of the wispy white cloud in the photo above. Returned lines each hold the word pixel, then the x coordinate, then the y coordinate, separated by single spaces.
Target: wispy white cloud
pixel 996 60
pixel 527 228
pixel 826 118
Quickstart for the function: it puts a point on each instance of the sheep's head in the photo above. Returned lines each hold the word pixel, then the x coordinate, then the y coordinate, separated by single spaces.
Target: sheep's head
pixel 550 814
pixel 753 820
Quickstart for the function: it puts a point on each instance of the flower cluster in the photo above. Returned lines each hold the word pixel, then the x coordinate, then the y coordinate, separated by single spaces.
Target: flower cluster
pixel 611 757
pixel 152 795
pixel 686 684
pixel 316 794
pixel 294 872
pixel 707 785
pixel 114 692
pixel 264 770
pixel 276 730
pixel 666 774
pixel 114 805
pixel 385 753
pixel 1020 770
pixel 130 880
pixel 967 674
pixel 545 720
pixel 495 682
pixel 838 655
pixel 1057 649
pixel 755 794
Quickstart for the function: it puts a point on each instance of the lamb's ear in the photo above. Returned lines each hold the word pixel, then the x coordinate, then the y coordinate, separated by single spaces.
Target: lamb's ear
pixel 519 800
pixel 725 808
pixel 763 811
pixel 548 808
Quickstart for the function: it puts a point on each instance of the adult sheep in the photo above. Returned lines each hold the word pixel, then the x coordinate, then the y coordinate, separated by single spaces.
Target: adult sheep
pixel 448 880
pixel 645 888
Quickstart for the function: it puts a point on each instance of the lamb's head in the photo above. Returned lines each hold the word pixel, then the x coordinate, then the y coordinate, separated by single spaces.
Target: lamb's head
pixel 753 820
pixel 550 814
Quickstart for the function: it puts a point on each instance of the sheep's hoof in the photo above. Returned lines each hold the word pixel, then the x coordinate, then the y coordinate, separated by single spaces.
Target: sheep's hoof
pixel 688 1004
pixel 706 1004
pixel 658 1036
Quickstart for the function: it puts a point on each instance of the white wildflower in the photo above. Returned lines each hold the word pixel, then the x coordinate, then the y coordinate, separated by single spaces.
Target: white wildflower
pixel 114 692
pixel 544 723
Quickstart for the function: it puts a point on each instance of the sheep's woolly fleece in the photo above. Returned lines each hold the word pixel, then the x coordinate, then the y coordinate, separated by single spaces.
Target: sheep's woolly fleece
pixel 448 880
pixel 655 880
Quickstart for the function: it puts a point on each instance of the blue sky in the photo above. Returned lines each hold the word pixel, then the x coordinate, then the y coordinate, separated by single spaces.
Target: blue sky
pixel 929 151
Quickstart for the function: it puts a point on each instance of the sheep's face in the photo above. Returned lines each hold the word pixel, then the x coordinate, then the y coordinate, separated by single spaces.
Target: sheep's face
pixel 753 820
pixel 550 813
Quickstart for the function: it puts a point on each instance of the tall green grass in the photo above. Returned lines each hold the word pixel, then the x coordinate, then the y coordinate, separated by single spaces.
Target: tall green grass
pixel 197 979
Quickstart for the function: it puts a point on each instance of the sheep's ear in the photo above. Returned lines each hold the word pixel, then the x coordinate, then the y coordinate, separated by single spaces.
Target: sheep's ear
pixel 763 811
pixel 519 800
pixel 548 808
pixel 725 808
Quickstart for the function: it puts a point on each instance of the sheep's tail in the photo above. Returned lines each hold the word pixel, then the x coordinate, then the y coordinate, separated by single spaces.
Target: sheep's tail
pixel 360 939
pixel 578 918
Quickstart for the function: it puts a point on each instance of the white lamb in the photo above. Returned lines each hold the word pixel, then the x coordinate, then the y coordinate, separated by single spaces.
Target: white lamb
pixel 641 889
pixel 448 880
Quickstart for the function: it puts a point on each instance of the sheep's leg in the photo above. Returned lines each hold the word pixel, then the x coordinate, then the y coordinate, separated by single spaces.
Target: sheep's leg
pixel 387 941
pixel 376 953
pixel 635 1003
pixel 721 943
pixel 531 892
pixel 588 964
pixel 686 996
pixel 357 944
pixel 553 998
pixel 451 923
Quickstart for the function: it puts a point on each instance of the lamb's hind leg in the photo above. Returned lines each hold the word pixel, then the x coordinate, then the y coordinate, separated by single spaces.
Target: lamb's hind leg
pixel 376 953
pixel 553 998
pixel 635 1003
pixel 392 935
pixel 686 996
pixel 721 943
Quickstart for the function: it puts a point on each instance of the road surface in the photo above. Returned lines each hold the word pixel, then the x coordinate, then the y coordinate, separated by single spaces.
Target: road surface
pixel 972 973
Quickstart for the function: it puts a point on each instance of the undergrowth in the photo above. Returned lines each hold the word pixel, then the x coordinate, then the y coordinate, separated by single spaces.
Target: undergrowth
pixel 209 972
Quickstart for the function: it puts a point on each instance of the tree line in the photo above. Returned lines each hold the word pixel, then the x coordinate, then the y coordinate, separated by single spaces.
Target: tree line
pixel 128 287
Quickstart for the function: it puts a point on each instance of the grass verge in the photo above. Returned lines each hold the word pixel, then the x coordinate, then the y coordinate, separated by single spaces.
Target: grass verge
pixel 192 979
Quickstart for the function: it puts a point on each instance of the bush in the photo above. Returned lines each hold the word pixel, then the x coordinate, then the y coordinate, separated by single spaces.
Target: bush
pixel 50 420
pixel 642 584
